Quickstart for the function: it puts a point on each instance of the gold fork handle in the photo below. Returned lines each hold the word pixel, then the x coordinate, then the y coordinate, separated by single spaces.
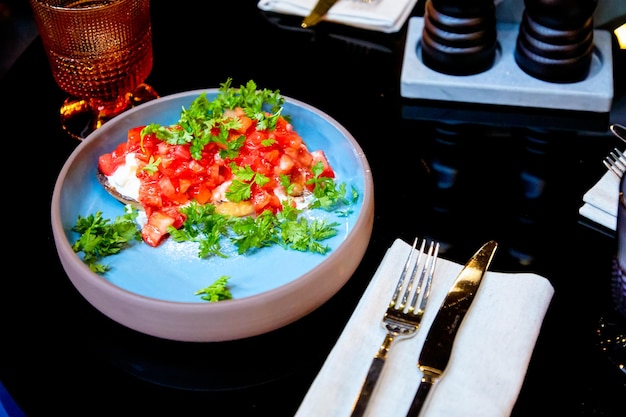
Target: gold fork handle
pixel 368 387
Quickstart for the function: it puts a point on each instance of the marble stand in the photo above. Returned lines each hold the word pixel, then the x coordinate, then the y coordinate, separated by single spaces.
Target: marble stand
pixel 505 83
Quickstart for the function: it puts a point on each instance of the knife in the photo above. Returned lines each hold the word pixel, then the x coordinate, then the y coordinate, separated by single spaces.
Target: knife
pixel 440 338
pixel 318 13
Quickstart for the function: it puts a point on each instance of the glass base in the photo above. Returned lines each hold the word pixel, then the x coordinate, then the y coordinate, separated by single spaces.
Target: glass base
pixel 611 330
pixel 80 117
pixel 611 334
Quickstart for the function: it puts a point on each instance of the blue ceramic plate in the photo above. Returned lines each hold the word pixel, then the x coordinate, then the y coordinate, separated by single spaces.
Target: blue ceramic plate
pixel 152 289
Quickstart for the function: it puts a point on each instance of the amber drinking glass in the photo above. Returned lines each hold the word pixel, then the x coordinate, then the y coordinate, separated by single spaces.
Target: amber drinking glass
pixel 100 53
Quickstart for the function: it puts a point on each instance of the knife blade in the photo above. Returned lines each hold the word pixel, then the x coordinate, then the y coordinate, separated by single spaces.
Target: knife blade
pixel 439 341
pixel 318 13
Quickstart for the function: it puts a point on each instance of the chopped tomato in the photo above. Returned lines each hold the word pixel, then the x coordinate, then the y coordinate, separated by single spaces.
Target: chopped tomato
pixel 285 163
pixel 320 156
pixel 150 196
pixel 201 193
pixel 171 177
pixel 134 138
pixel 155 229
pixel 183 185
pixel 109 162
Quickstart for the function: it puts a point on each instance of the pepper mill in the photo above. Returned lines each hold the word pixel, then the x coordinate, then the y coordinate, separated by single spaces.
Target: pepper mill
pixel 555 40
pixel 459 36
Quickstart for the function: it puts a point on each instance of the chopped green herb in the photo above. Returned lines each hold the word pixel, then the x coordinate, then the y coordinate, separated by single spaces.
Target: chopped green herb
pixel 99 237
pixel 285 228
pixel 254 232
pixel 197 124
pixel 152 166
pixel 232 147
pixel 327 194
pixel 217 291
pixel 241 187
pixel 204 226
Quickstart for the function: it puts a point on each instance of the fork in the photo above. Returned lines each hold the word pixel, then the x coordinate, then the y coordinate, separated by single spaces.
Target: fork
pixel 401 319
pixel 616 162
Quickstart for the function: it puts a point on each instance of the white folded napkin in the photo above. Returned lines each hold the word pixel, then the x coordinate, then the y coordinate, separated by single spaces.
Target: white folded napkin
pixel 380 15
pixel 489 359
pixel 600 201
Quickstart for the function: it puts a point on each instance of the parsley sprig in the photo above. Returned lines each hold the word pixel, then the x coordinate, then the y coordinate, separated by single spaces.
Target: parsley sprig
pixel 241 187
pixel 328 195
pixel 99 237
pixel 217 291
pixel 285 228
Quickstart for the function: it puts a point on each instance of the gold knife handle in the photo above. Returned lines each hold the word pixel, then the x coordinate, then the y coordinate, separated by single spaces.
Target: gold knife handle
pixel 317 14
pixel 420 397
pixel 368 387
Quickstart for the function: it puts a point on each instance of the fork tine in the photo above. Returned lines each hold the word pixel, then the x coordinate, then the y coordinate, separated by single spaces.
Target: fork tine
pixel 409 286
pixel 405 270
pixel 426 269
pixel 427 273
pixel 616 162
pixel 619 160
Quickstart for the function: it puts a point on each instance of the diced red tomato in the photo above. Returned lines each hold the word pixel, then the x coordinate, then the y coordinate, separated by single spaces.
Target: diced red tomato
pixel 183 185
pixel 155 229
pixel 109 162
pixel 134 138
pixel 178 178
pixel 320 156
pixel 169 190
pixel 285 163
pixel 149 196
pixel 201 193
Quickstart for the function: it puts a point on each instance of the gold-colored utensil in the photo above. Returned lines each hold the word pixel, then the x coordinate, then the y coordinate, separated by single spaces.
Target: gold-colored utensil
pixel 318 13
pixel 619 131
pixel 402 318
pixel 616 162
pixel 440 338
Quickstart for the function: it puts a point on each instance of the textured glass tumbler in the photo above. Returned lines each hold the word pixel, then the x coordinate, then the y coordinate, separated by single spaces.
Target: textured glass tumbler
pixel 100 53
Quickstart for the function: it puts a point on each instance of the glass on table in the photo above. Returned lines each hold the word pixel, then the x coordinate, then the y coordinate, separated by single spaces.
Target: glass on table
pixel 100 53
pixel 612 330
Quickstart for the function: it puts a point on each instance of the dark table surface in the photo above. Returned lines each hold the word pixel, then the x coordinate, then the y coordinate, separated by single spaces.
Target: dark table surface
pixel 60 356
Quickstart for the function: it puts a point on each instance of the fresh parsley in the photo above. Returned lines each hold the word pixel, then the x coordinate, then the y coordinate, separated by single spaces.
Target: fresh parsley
pixel 241 187
pixel 285 228
pixel 99 237
pixel 152 166
pixel 206 121
pixel 327 194
pixel 203 226
pixel 217 291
